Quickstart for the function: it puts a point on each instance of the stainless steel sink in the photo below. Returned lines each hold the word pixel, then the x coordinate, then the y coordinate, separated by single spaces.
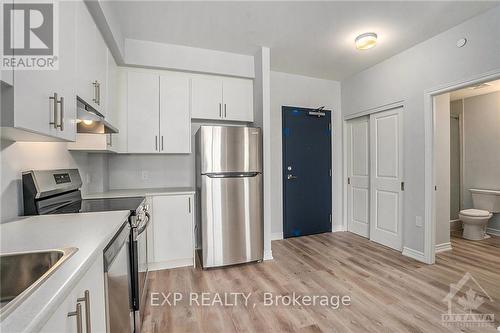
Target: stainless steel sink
pixel 21 273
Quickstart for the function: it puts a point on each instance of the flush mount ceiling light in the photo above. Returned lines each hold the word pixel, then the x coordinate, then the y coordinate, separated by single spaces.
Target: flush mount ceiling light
pixel 366 41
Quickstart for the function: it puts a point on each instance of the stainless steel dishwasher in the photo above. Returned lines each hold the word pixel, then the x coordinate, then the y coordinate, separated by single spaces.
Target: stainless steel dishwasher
pixel 117 281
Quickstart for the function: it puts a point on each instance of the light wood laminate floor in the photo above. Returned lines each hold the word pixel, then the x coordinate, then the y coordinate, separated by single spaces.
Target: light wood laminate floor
pixel 389 292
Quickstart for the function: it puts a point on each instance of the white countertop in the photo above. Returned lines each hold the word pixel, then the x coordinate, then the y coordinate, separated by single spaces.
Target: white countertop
pixel 141 192
pixel 89 232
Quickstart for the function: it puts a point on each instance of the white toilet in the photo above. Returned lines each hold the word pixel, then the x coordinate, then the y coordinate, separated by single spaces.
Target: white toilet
pixel 485 203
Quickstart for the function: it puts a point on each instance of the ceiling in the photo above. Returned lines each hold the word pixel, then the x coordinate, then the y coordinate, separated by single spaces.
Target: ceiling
pixel 477 90
pixel 309 38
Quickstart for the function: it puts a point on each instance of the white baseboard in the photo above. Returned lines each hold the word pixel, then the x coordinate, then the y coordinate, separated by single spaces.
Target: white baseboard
pixel 268 255
pixel 337 228
pixel 276 236
pixel 417 255
pixel 492 231
pixel 442 247
pixel 455 225
pixel 156 266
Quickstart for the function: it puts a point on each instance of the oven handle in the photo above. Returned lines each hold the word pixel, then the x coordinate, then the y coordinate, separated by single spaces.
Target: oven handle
pixel 144 224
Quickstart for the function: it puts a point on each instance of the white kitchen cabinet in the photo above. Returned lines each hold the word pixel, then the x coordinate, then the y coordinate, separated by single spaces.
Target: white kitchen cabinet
pixel 158 113
pixel 238 99
pixel 175 118
pixel 215 98
pixel 173 231
pixel 42 102
pixel 91 60
pixel 89 289
pixel 143 128
pixel 206 98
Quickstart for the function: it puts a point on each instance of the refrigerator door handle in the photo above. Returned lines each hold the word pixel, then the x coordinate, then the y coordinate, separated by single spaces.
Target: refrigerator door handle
pixel 232 174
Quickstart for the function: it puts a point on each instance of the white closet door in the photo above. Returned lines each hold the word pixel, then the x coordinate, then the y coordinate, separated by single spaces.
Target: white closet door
pixel 386 187
pixel 358 171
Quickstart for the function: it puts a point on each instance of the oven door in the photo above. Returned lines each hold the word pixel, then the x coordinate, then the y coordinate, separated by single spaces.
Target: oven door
pixel 140 263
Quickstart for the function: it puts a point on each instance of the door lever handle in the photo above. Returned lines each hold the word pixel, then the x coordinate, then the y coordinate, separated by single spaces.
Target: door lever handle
pixel 291 177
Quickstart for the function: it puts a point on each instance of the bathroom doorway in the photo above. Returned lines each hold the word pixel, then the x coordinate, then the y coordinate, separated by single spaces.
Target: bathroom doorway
pixel 466 163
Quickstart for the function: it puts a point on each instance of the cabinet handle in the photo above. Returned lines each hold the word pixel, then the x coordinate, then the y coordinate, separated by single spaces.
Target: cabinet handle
pixel 220 110
pixel 156 142
pixel 98 93
pixel 189 204
pixel 225 114
pixel 95 91
pixel 78 314
pixel 61 113
pixel 162 142
pixel 86 299
pixel 54 110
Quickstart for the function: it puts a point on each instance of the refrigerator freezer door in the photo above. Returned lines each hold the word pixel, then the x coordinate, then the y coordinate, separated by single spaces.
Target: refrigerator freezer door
pixel 232 222
pixel 227 149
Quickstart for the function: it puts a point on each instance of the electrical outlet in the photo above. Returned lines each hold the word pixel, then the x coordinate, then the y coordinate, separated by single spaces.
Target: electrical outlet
pixel 144 175
pixel 419 221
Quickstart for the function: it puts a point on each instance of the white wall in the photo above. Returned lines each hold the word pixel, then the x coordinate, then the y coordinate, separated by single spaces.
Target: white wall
pixel 434 63
pixel 184 58
pixel 302 91
pixel 442 158
pixel 17 157
pixel 262 114
pixel 482 147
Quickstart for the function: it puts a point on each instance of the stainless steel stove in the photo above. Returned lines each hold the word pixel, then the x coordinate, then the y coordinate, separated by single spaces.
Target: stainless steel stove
pixel 58 192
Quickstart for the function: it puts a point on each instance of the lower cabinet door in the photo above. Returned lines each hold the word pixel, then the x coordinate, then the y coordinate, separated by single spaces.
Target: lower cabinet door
pixel 87 295
pixel 173 231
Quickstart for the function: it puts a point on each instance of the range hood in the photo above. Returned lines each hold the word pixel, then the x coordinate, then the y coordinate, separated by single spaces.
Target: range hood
pixel 89 120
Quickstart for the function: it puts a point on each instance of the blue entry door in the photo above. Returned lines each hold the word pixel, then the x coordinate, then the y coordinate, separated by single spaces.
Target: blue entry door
pixel 307 162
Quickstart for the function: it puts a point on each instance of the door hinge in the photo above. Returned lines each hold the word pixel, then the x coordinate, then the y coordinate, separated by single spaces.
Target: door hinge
pixel 435 188
pixel 348 180
pixel 402 186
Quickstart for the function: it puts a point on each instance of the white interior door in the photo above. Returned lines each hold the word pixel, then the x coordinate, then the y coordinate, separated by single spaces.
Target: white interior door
pixel 358 172
pixel 386 178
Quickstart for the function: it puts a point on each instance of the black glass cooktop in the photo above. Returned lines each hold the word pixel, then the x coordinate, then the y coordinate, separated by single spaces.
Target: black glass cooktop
pixel 101 205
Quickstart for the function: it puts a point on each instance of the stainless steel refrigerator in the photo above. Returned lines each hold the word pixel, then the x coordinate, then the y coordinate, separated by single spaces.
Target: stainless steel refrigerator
pixel 229 192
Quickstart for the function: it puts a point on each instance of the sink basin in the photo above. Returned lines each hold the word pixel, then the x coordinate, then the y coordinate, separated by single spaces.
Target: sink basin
pixel 21 273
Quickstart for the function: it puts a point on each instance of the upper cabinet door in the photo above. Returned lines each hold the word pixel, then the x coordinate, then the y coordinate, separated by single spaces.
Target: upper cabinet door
pixel 175 118
pixel 101 73
pixel 206 98
pixel 238 99
pixel 86 54
pixel 143 130
pixel 35 108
